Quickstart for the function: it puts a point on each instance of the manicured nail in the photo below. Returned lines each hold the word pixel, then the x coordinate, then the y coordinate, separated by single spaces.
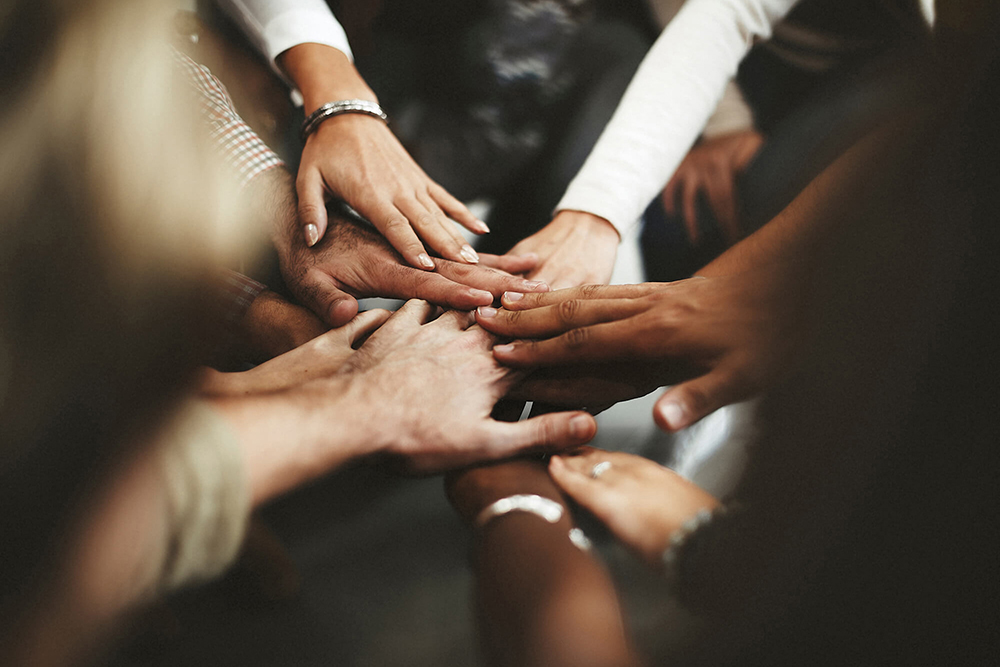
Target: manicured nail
pixel 482 227
pixel 312 234
pixel 504 349
pixel 537 285
pixel 486 311
pixel 469 254
pixel 513 297
pixel 425 261
pixel 673 414
pixel 482 295
pixel 579 426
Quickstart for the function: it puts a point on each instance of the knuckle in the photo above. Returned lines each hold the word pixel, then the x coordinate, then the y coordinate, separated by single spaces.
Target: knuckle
pixel 590 291
pixel 567 311
pixel 577 338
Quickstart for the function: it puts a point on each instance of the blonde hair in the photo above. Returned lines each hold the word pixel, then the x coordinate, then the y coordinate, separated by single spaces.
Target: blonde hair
pixel 114 216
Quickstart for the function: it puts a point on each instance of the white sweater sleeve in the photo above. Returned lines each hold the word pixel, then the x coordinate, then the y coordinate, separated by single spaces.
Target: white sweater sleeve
pixel 278 25
pixel 665 107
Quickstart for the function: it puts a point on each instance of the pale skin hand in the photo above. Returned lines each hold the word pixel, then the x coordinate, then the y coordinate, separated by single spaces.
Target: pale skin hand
pixel 358 159
pixel 641 502
pixel 712 167
pixel 722 339
pixel 354 261
pixel 319 357
pixel 576 248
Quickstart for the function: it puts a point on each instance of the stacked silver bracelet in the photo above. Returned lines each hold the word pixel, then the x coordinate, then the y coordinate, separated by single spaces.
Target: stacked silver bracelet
pixel 331 109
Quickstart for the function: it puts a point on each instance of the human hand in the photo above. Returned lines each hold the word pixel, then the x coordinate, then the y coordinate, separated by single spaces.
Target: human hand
pixel 272 326
pixel 426 390
pixel 640 501
pixel 576 248
pixel 354 261
pixel 358 159
pixel 712 167
pixel 318 357
pixel 472 489
pixel 723 339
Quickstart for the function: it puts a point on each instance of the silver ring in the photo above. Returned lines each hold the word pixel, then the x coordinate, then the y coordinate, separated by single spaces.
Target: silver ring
pixel 600 469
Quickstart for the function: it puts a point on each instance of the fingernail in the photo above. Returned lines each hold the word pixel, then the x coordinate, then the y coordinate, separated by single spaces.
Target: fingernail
pixel 579 426
pixel 504 349
pixel 513 297
pixel 486 311
pixel 312 234
pixel 469 254
pixel 673 414
pixel 482 295
pixel 482 227
pixel 536 285
pixel 425 261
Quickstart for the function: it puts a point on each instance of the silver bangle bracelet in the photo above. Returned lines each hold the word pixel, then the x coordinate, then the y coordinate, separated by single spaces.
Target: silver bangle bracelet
pixel 540 506
pixel 545 508
pixel 331 109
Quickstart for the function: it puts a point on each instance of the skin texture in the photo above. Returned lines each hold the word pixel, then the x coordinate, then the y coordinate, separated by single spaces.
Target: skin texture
pixel 543 601
pixel 354 261
pixel 358 159
pixel 640 501
pixel 711 169
pixel 419 389
pixel 272 326
pixel 576 248
pixel 719 339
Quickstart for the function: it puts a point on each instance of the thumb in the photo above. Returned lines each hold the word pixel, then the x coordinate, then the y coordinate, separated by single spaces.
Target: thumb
pixel 685 403
pixel 312 208
pixel 554 431
pixel 324 298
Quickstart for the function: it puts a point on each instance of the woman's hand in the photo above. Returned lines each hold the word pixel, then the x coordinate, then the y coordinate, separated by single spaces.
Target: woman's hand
pixel 641 502
pixel 358 159
pixel 723 338
pixel 574 249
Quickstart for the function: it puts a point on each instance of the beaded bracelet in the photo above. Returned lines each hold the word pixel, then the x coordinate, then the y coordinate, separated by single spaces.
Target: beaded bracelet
pixel 331 109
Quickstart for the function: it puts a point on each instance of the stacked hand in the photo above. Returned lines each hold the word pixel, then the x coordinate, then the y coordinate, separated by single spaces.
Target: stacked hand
pixel 723 339
pixel 576 248
pixel 354 261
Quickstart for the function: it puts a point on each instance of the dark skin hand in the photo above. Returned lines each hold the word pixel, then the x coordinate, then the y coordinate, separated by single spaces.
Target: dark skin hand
pixel 721 338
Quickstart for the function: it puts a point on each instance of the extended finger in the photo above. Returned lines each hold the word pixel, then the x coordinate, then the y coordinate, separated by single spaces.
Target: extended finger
pixel 312 206
pixel 685 403
pixel 428 224
pixel 722 199
pixel 556 319
pixel 364 324
pixel 491 280
pixel 690 208
pixel 456 210
pixel 513 264
pixel 669 196
pixel 601 342
pixel 395 227
pixel 404 282
pixel 550 432
pixel 467 252
pixel 414 311
pixel 524 301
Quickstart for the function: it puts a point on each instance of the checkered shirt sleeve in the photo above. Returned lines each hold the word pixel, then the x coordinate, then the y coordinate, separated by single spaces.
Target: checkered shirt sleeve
pixel 242 149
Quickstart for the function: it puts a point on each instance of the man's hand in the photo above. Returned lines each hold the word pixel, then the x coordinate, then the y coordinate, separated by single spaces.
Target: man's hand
pixel 358 159
pixel 723 338
pixel 354 261
pixel 712 167
pixel 574 249
pixel 272 326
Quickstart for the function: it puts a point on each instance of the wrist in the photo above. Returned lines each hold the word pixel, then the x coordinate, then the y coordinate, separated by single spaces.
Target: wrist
pixel 323 74
pixel 600 227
